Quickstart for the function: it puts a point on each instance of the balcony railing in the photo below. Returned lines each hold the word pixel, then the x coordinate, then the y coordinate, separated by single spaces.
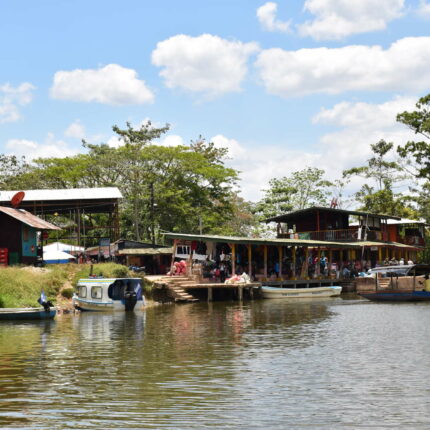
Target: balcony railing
pixel 346 235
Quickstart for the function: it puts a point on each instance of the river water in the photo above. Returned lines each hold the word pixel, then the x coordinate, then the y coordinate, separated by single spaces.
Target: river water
pixel 332 364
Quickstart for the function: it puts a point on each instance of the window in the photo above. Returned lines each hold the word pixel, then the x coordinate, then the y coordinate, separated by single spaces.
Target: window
pixel 82 292
pixel 96 292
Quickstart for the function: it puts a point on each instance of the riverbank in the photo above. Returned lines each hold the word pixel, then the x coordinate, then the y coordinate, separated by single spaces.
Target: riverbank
pixel 21 286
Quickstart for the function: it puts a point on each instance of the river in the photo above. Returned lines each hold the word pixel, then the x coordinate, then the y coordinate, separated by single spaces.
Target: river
pixel 332 364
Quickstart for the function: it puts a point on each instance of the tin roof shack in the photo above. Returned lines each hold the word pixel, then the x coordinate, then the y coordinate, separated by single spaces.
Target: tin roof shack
pixel 19 234
pixel 154 258
pixel 319 223
pixel 82 206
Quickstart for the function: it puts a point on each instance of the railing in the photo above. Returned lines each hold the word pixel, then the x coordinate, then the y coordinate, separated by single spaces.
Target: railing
pixel 347 235
pixel 411 240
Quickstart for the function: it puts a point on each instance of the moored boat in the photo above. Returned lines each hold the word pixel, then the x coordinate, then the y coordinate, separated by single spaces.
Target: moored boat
pixel 406 283
pixel 39 313
pixel 109 294
pixel 300 293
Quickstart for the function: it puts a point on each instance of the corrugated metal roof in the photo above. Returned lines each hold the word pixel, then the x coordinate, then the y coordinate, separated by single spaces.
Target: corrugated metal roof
pixel 261 241
pixel 65 194
pixel 285 242
pixel 301 212
pixel 406 221
pixel 29 219
pixel 146 251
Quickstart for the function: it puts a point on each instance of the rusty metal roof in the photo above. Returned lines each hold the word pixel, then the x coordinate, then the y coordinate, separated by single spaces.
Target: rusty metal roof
pixel 29 219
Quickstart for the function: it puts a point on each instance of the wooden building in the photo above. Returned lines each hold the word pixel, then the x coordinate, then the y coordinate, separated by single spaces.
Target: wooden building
pixel 21 235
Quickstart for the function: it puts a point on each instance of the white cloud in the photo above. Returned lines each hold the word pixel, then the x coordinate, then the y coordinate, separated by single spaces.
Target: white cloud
pixel 11 98
pixel 205 64
pixel 424 9
pixel 234 149
pixel 172 140
pixel 112 84
pixel 402 67
pixel 336 19
pixel 75 130
pixel 266 15
pixel 31 149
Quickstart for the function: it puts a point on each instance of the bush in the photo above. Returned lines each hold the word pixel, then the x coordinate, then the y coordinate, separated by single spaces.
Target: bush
pixel 67 292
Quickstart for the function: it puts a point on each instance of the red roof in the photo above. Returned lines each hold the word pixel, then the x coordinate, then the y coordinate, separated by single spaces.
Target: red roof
pixel 29 219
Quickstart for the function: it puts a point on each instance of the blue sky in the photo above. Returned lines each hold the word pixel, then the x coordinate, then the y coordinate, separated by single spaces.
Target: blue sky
pixel 284 85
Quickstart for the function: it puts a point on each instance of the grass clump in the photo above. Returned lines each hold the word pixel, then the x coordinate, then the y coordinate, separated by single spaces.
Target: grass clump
pixel 107 270
pixel 67 292
pixel 21 286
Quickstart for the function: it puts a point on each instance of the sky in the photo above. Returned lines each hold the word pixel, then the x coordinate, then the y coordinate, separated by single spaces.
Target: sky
pixel 284 85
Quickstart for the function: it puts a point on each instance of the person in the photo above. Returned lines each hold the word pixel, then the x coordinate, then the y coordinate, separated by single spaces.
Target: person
pixel 222 274
pixel 345 272
pixel 402 262
pixel 410 262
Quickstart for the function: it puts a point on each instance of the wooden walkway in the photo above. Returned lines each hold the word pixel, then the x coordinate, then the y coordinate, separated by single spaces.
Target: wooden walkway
pixel 180 287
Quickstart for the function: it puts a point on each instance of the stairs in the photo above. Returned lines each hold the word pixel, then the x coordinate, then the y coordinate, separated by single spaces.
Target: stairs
pixel 175 285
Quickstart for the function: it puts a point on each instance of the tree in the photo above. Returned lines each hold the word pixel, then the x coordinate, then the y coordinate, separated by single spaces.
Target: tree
pixel 164 188
pixel 302 189
pixel 419 122
pixel 386 174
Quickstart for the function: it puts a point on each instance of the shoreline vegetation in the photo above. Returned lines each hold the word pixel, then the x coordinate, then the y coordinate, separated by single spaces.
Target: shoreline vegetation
pixel 20 286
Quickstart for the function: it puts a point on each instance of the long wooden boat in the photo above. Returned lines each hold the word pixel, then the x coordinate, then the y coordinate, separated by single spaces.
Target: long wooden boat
pixel 397 296
pixel 11 314
pixel 109 294
pixel 417 274
pixel 300 293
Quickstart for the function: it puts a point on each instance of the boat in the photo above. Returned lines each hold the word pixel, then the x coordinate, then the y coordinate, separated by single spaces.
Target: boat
pixel 109 294
pixel 39 313
pixel 299 293
pixel 405 283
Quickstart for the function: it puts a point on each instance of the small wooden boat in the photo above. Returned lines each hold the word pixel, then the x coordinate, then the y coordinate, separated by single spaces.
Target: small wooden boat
pixel 109 294
pixel 300 293
pixel 40 313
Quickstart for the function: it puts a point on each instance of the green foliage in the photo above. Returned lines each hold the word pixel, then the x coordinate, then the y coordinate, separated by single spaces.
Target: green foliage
pixel 164 188
pixel 21 286
pixel 107 270
pixel 301 189
pixel 67 292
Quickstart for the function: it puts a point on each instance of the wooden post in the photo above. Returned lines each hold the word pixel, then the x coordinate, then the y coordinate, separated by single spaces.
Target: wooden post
pixel 209 294
pixel 317 268
pixel 240 292
pixel 330 262
pixel 233 259
pixel 175 246
pixel 280 262
pixel 380 255
pixel 304 273
pixel 250 261
pixel 265 262
pixel 294 263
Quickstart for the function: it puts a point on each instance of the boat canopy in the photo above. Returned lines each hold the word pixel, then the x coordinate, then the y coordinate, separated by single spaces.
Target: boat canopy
pixel 403 270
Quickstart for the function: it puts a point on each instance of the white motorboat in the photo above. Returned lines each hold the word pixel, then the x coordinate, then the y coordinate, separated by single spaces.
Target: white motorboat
pixel 300 293
pixel 109 294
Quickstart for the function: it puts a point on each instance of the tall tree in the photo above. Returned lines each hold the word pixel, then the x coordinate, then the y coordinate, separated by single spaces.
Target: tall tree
pixel 301 189
pixel 386 175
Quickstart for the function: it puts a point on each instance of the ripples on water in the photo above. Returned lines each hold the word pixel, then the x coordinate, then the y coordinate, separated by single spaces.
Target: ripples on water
pixel 268 364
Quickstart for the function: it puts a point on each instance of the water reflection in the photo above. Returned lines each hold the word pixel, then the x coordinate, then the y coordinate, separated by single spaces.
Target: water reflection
pixel 221 365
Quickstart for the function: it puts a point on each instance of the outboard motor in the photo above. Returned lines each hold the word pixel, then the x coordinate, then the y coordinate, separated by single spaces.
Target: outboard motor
pixel 130 300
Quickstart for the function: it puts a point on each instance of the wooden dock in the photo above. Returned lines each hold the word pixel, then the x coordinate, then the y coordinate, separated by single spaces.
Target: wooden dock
pixel 180 288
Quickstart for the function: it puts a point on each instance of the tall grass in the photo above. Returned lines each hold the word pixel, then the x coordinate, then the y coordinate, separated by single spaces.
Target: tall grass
pixel 21 286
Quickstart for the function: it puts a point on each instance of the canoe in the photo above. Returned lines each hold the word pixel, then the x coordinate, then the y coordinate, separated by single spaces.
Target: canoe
pixel 397 296
pixel 11 314
pixel 300 293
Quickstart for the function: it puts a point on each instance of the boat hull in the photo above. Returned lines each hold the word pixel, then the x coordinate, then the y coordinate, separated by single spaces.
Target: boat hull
pixel 397 296
pixel 90 305
pixel 19 314
pixel 300 293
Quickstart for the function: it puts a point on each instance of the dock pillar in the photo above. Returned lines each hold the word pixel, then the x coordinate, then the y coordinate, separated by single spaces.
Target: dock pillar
pixel 210 294
pixel 240 293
